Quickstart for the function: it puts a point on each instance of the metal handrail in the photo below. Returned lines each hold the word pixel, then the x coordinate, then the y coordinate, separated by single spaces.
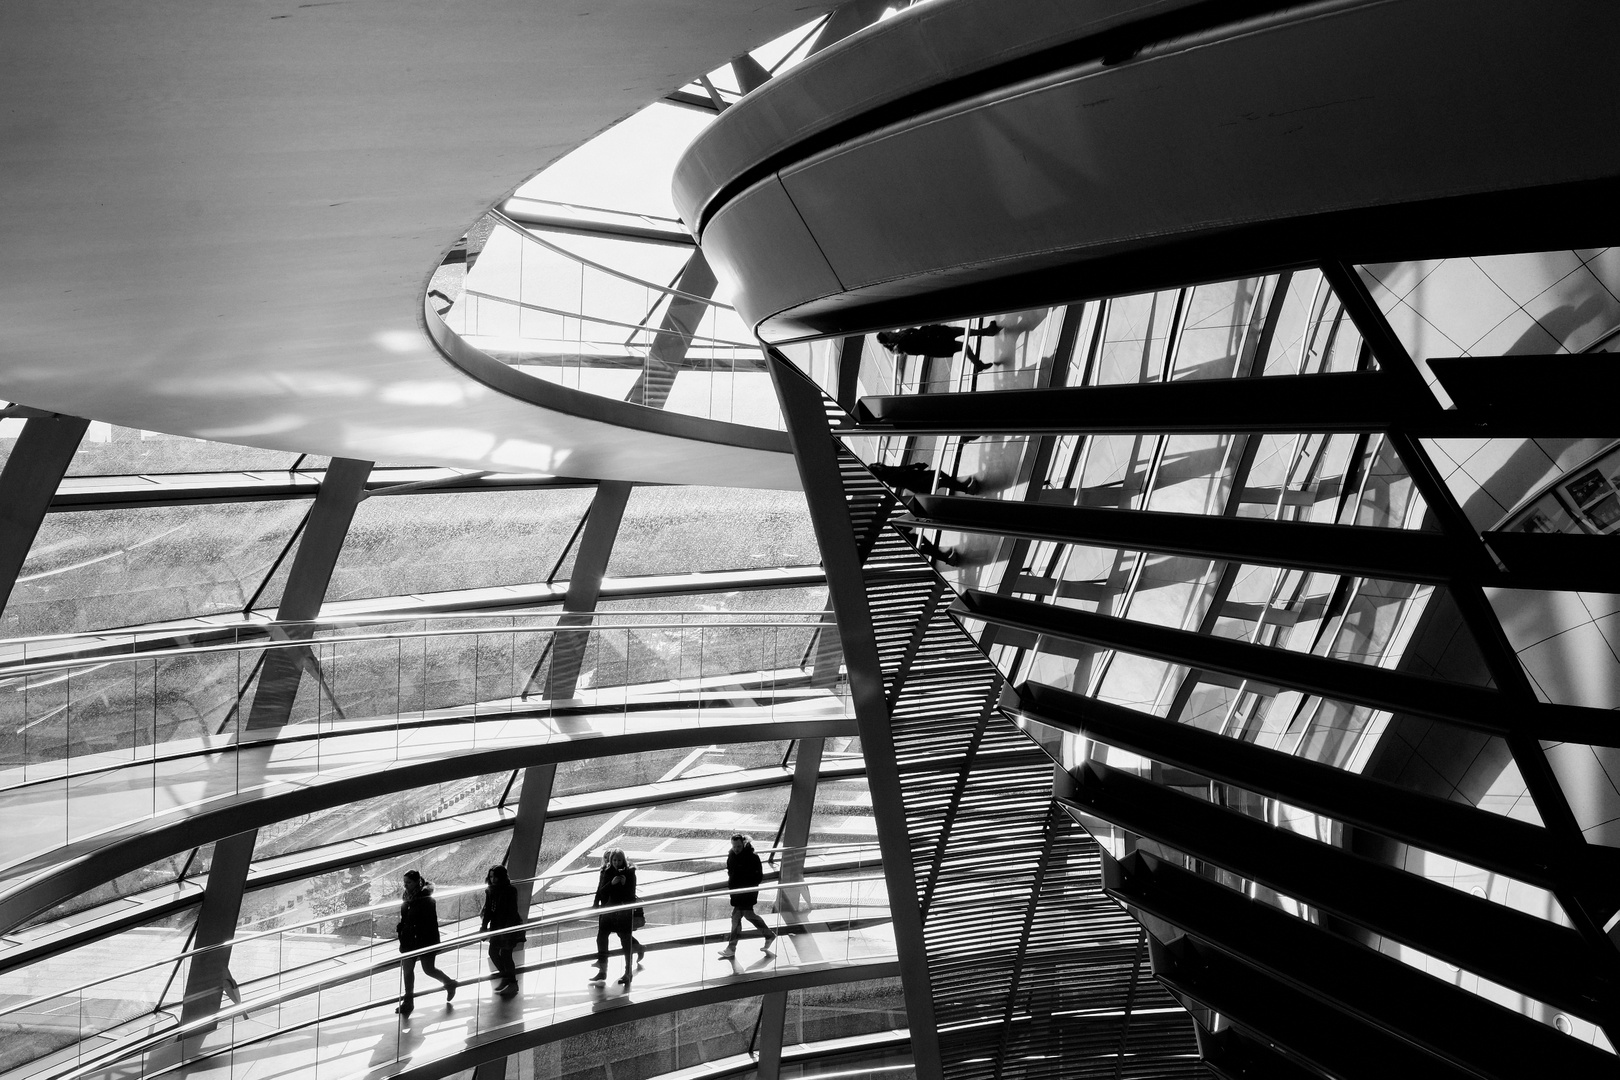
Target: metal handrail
pixel 290 734
pixel 212 1020
pixel 397 617
pixel 667 290
pixel 388 905
pixel 604 320
pixel 24 668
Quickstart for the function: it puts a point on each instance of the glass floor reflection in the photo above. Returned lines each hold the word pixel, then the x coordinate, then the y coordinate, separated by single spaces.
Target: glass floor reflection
pixel 339 1020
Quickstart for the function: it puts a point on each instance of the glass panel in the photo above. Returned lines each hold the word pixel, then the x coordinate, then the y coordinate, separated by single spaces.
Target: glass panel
pixel 165 871
pixel 35 1032
pixel 93 569
pixel 844 1009
pixel 1220 320
pixel 1135 337
pixel 383 814
pixel 403 544
pixel 673 530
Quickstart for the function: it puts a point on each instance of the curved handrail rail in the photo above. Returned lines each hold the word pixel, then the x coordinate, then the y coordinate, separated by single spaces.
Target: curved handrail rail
pixel 389 905
pixel 36 882
pixel 484 368
pixel 398 617
pixel 640 328
pixel 182 1031
pixel 522 231
pixel 26 668
pixel 292 734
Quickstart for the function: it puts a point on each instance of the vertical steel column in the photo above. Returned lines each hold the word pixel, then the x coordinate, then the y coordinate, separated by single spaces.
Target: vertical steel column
pixel 816 454
pixel 35 468
pixel 681 320
pixel 311 572
pixel 796 828
pixel 528 829
pixel 307 579
pixel 584 587
pixel 792 903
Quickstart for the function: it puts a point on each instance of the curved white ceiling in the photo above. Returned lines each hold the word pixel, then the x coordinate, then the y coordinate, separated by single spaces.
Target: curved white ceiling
pixel 218 220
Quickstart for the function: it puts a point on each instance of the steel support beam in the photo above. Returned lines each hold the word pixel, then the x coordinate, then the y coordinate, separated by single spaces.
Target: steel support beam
pixel 311 572
pixel 1233 1055
pixel 1528 396
pixel 675 333
pixel 1467 706
pixel 216 922
pixel 847 19
pixel 816 453
pixel 1403 554
pixel 1554 562
pixel 1286 404
pixel 1330 402
pixel 1490 841
pixel 1536 957
pixel 793 904
pixel 584 587
pixel 1294 1022
pixel 1463 1029
pixel 772 1022
pixel 34 470
pixel 528 830
pixel 279 679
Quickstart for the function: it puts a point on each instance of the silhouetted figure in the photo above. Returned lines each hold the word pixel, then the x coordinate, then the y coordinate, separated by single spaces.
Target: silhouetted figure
pixel 418 928
pixel 500 910
pixel 743 871
pixel 917 476
pixel 936 339
pixel 615 888
pixel 930 550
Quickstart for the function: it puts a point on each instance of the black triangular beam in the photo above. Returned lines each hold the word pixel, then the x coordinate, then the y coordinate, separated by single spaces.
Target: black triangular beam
pixel 1494 404
pixel 1457 1027
pixel 1536 957
pixel 1402 554
pixel 1490 841
pixel 1473 707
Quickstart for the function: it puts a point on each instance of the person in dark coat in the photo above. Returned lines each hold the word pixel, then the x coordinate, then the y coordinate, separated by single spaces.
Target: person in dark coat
pixel 917 476
pixel 744 873
pixel 418 928
pixel 616 887
pixel 501 909
pixel 937 340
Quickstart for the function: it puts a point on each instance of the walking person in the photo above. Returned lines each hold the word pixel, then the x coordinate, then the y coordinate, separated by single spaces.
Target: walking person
pixel 418 928
pixel 616 888
pixel 501 910
pixel 743 871
pixel 937 340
